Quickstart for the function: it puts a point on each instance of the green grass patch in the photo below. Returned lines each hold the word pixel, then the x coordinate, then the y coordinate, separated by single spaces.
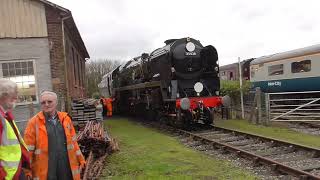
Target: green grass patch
pixel 273 131
pixel 148 154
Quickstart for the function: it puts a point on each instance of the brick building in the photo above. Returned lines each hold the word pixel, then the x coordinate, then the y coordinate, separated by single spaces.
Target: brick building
pixel 41 49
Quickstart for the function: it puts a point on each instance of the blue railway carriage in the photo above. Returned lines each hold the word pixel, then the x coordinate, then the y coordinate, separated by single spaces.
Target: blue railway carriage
pixel 291 71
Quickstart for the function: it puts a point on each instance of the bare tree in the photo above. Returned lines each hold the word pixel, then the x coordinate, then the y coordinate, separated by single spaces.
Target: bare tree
pixel 95 70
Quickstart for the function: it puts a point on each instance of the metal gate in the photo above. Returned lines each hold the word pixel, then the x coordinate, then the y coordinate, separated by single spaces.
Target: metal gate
pixel 293 106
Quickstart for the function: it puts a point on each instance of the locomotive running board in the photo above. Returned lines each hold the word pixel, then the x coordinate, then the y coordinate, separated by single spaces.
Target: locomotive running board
pixel 139 86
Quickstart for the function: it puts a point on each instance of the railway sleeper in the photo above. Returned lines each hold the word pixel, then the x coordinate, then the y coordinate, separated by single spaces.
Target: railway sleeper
pixel 299 164
pixel 255 145
pixel 232 139
pixel 217 136
pixel 210 132
pixel 311 167
pixel 316 154
pixel 290 157
pixel 245 142
pixel 275 151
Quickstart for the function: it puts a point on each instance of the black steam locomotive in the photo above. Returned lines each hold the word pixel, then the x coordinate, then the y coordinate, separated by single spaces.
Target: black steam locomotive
pixel 178 82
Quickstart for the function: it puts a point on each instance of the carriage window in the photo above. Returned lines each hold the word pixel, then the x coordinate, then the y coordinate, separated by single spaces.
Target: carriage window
pixel 275 69
pixel 302 66
pixel 253 70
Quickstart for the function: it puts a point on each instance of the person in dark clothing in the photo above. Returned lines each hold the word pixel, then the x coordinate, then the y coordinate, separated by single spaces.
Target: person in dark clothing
pixel 104 110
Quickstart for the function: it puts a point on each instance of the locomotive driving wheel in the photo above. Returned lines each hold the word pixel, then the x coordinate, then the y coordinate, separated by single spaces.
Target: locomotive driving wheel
pixel 183 119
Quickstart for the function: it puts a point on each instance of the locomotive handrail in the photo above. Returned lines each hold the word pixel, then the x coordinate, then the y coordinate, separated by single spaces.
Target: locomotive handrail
pixel 139 86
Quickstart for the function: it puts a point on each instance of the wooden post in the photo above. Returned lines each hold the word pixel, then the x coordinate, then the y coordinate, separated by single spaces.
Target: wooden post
pixel 267 120
pixel 259 119
pixel 253 108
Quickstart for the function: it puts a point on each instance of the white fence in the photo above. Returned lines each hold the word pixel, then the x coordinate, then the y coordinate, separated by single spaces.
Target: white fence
pixel 293 106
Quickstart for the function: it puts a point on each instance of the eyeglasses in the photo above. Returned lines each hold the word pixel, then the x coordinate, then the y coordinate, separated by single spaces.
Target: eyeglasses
pixel 46 102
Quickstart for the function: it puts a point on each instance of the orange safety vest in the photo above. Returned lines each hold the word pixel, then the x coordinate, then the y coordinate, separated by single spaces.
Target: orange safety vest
pixel 36 139
pixel 108 104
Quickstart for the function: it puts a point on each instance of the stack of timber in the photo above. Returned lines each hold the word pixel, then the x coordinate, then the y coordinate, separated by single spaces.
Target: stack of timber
pixel 84 110
pixel 96 145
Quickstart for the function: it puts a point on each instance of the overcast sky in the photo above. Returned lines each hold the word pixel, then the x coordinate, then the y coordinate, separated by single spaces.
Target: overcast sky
pixel 122 29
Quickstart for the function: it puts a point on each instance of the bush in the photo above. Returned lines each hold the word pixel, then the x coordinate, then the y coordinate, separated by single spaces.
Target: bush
pixel 232 89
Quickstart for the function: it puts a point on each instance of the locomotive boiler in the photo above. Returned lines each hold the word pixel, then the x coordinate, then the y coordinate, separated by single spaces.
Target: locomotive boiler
pixel 178 82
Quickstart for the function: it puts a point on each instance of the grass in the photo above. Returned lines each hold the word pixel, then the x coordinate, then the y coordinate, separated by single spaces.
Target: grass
pixel 147 154
pixel 274 131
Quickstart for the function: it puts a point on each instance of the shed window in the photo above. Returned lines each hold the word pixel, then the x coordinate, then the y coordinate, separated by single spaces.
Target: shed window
pixel 275 69
pixel 302 66
pixel 21 72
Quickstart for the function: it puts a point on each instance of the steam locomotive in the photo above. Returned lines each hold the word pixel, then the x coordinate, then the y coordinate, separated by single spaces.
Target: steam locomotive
pixel 178 83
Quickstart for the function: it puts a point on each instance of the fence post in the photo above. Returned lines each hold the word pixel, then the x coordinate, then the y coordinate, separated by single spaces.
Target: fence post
pixel 267 120
pixel 253 108
pixel 259 119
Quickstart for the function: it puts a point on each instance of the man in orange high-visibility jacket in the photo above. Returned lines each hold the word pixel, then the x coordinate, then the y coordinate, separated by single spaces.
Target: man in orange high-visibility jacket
pixel 108 105
pixel 52 142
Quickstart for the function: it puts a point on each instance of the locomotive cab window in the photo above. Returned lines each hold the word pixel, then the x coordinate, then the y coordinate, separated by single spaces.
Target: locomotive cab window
pixel 275 69
pixel 302 66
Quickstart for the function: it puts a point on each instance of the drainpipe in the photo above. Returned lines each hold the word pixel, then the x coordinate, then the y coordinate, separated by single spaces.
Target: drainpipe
pixel 68 98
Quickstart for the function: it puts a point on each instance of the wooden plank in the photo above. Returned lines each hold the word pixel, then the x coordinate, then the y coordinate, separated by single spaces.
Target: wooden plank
pixel 27 23
pixel 2 19
pixel 6 27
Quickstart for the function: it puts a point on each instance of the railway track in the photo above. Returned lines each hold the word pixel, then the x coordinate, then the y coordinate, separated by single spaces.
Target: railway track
pixel 312 128
pixel 295 160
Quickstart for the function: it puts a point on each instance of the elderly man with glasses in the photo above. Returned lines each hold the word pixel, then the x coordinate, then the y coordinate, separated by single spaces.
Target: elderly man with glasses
pixel 13 151
pixel 51 139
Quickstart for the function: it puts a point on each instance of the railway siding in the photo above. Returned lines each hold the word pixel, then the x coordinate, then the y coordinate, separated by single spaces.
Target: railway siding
pixel 280 155
pixel 277 130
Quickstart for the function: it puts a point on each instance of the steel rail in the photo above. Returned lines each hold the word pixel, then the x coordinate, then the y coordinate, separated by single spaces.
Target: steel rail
pixel 276 166
pixel 278 141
